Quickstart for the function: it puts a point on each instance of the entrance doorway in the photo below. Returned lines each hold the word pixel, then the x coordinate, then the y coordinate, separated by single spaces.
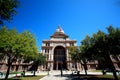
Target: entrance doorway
pixel 59 58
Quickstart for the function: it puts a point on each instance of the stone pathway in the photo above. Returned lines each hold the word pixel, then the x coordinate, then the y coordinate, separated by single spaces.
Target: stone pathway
pixel 56 75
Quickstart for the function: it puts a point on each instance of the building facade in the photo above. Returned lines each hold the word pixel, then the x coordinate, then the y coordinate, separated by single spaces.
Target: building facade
pixel 56 50
pixel 17 65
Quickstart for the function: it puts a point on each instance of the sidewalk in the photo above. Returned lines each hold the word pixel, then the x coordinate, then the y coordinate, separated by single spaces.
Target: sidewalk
pixel 56 75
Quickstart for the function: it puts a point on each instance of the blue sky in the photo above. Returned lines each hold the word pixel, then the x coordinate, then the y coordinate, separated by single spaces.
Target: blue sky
pixel 77 18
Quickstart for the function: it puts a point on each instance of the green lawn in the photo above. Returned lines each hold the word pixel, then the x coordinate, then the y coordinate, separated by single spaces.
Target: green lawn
pixel 99 77
pixel 110 76
pixel 12 72
pixel 26 78
pixel 94 70
pixel 32 77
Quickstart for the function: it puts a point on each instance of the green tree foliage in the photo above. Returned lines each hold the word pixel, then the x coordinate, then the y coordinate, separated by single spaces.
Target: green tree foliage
pixel 73 51
pixel 7 9
pixel 85 52
pixel 38 60
pixel 102 45
pixel 78 56
pixel 14 46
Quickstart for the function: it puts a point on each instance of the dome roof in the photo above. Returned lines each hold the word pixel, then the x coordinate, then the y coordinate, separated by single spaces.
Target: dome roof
pixel 59 29
pixel 59 33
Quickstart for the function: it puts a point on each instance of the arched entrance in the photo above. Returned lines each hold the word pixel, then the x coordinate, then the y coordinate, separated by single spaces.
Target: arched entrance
pixel 59 58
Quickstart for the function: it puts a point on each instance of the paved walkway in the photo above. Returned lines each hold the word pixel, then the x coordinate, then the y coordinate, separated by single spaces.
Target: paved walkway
pixel 56 75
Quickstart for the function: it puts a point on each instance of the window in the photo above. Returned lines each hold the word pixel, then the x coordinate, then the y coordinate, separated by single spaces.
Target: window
pixel 46 50
pixel 47 44
pixel 71 44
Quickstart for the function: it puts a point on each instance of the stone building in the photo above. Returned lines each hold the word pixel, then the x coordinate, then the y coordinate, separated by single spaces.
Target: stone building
pixel 17 65
pixel 56 50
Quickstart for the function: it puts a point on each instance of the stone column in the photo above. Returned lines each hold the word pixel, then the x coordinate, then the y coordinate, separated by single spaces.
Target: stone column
pixel 48 56
pixel 67 55
pixel 68 65
pixel 52 55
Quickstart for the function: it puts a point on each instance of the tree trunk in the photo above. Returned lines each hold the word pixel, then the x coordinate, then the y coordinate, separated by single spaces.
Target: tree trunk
pixel 112 67
pixel 34 73
pixel 117 59
pixel 8 70
pixel 34 70
pixel 85 67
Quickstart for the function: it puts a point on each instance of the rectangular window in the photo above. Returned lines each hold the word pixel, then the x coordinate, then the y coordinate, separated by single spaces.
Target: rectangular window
pixel 47 44
pixel 71 44
pixel 46 50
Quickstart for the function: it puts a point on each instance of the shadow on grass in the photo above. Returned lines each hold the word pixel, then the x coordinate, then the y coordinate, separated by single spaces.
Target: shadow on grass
pixel 91 77
pixel 18 77
pixel 12 79
pixel 86 77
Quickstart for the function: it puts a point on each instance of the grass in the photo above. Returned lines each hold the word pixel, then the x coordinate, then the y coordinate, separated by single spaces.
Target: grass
pixel 32 77
pixel 13 72
pixel 96 77
pixel 95 70
pixel 26 78
pixel 108 76
pixel 99 77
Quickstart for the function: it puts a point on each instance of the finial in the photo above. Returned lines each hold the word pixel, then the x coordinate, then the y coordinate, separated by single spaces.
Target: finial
pixel 59 29
pixel 59 26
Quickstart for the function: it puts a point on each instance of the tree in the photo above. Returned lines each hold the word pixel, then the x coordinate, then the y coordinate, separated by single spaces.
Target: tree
pixel 73 51
pixel 38 60
pixel 85 52
pixel 78 56
pixel 109 45
pixel 73 54
pixel 7 10
pixel 14 46
pixel 101 46
pixel 113 41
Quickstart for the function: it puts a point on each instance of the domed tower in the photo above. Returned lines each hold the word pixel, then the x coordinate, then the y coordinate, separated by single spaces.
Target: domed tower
pixel 56 50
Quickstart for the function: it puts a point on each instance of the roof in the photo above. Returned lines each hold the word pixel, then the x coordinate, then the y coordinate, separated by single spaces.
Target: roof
pixel 59 33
